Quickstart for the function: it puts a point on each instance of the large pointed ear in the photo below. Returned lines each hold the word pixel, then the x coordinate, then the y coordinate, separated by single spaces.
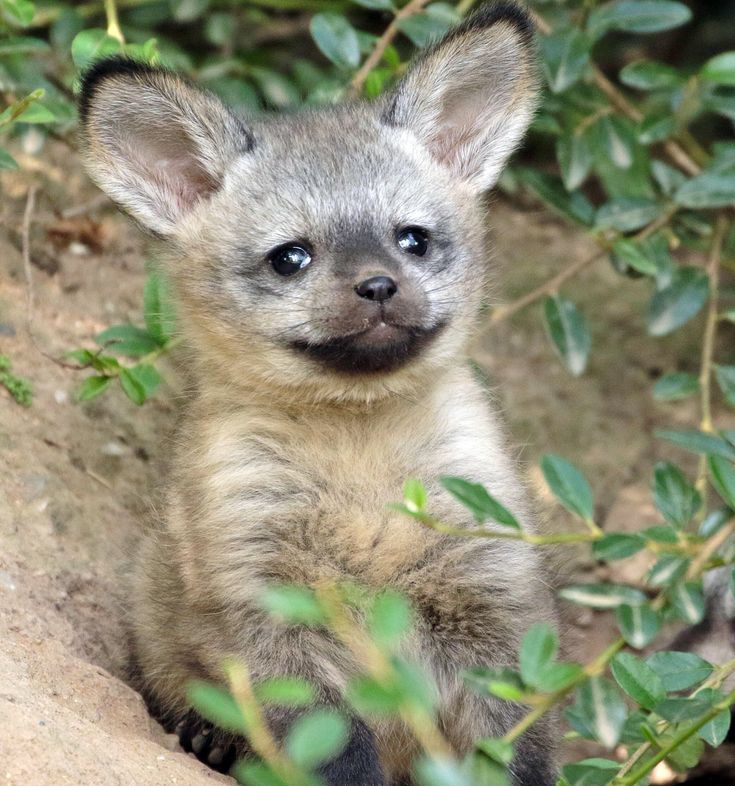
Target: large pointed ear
pixel 155 144
pixel 470 97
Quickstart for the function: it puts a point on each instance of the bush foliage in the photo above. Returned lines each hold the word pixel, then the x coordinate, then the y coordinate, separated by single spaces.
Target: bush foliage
pixel 629 147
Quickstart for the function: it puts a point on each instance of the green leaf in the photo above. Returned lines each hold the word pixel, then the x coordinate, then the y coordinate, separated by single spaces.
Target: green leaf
pixel 497 749
pixel 370 697
pixel 637 679
pixel 277 90
pixel 428 26
pixel 676 386
pixel 336 39
pixel 160 318
pixel 720 69
pixel 681 708
pixel 538 649
pixel 250 772
pixel 638 16
pixel 440 772
pixel 380 5
pixel 615 135
pixel 715 732
pixel 7 161
pixel 477 500
pixel 19 12
pixel 389 618
pixel 557 676
pixel 132 386
pixel 667 178
pixel 568 485
pixel 722 473
pixel 714 522
pixel 650 75
pixel 316 738
pixel 551 190
pixel 674 496
pixel 22 45
pixel 564 57
pixel 626 214
pixel 726 381
pixel 679 670
pixel 568 331
pixel 91 45
pixel 688 601
pixel 617 545
pixel 414 495
pixel 708 190
pixel 699 442
pixel 668 569
pixel 674 305
pixel 293 604
pixel 127 340
pixel 638 625
pixel 603 709
pixel 92 387
pixel 188 10
pixel 216 705
pixel 635 255
pixel 285 692
pixel 656 128
pixel 147 376
pixel 504 683
pixel 602 596
pixel 589 772
pixel 575 159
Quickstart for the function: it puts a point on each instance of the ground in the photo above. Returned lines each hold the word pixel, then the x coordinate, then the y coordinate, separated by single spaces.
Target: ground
pixel 78 479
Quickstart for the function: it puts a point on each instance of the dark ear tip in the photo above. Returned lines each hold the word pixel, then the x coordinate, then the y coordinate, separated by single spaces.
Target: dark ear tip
pixel 491 13
pixel 103 69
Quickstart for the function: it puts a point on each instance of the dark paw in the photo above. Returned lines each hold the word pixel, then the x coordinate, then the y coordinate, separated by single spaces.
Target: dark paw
pixel 209 744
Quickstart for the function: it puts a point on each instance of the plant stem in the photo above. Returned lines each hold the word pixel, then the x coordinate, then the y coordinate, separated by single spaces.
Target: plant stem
pixel 358 81
pixel 113 22
pixel 708 343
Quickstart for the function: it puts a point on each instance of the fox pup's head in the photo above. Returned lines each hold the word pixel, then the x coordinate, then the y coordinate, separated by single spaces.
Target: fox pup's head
pixel 339 250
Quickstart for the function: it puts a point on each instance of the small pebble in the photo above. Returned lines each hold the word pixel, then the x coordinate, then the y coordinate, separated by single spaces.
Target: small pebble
pixel 61 396
pixel 6 581
pixel 114 449
pixel 78 249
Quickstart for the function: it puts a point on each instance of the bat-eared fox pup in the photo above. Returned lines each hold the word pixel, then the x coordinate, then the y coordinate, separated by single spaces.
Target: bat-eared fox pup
pixel 328 267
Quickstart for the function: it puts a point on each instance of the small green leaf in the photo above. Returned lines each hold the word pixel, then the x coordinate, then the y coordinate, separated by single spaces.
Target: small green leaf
pixel 680 708
pixel 440 772
pixel 7 161
pixel 286 692
pixel 638 16
pixel 668 569
pixel 127 340
pixel 370 697
pixel 699 442
pixel 589 772
pixel 91 45
pixel 476 498
pixel 336 39
pixel 674 496
pixel 650 75
pixel 722 473
pixel 147 376
pixel 378 5
pixel 132 386
pixel 575 159
pixel 93 386
pixel 389 618
pixel 626 214
pixel 637 679
pixel 715 732
pixel 568 331
pixel 638 625
pixel 568 485
pixel 414 495
pixel 602 596
pixel 726 381
pixel 316 738
pixel 603 708
pixel 538 649
pixel 551 190
pixel 293 604
pixel 676 386
pixel 565 54
pixel 160 318
pixel 617 545
pixel 497 749
pixel 636 256
pixel 19 12
pixel 423 28
pixel 679 670
pixel 216 705
pixel 720 69
pixel 688 601
pixel 674 305
pixel 708 190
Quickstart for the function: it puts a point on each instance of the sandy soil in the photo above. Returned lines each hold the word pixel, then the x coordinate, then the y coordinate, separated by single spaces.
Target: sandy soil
pixel 76 481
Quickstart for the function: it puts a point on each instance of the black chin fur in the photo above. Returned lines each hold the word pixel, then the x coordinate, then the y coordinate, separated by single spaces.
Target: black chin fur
pixel 346 356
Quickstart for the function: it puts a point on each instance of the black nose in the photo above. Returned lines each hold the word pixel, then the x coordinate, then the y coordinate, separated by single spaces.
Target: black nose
pixel 378 288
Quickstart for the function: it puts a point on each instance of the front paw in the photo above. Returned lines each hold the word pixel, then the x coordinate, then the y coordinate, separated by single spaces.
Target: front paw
pixel 209 744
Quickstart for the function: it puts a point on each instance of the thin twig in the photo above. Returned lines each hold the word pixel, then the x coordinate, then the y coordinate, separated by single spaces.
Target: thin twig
pixel 385 40
pixel 30 293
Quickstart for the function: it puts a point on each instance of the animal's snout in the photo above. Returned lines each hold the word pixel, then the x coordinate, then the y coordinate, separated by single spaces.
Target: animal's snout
pixel 377 288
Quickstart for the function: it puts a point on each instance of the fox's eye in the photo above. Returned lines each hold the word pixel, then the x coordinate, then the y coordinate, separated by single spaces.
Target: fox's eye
pixel 289 259
pixel 413 240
